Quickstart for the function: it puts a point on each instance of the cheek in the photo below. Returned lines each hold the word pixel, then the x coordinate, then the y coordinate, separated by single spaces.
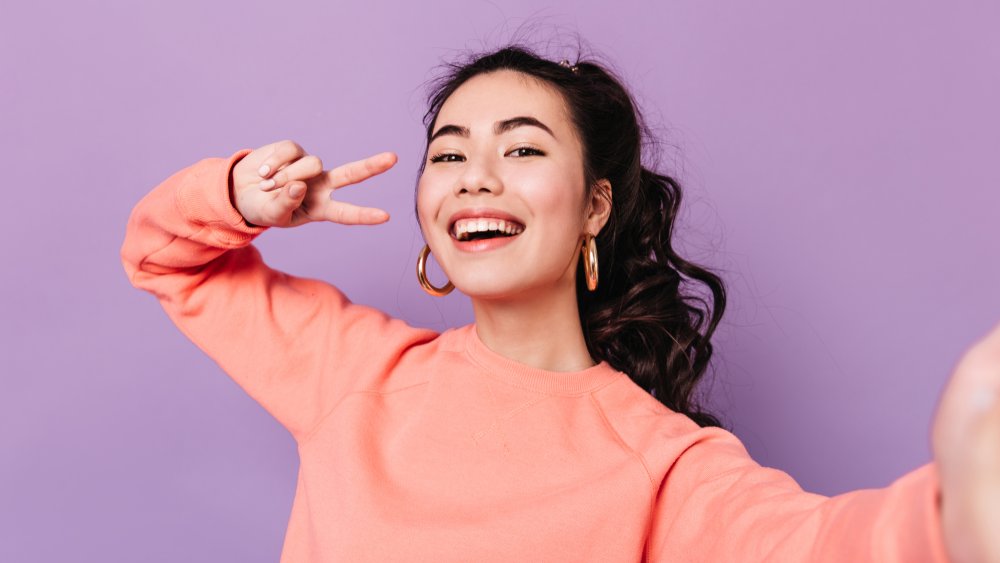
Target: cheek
pixel 555 201
pixel 427 204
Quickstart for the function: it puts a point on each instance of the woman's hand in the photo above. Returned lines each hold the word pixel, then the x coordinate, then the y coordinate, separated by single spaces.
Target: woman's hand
pixel 966 443
pixel 296 190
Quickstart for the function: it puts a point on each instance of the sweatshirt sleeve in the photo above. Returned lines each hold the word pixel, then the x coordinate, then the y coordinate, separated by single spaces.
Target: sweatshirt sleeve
pixel 717 504
pixel 295 345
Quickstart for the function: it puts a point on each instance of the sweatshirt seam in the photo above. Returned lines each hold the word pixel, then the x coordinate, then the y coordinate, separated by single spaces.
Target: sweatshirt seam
pixel 621 442
pixel 653 486
pixel 190 217
pixel 309 434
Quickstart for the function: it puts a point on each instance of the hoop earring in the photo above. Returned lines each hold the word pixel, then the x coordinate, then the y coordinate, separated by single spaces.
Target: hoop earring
pixel 589 250
pixel 422 276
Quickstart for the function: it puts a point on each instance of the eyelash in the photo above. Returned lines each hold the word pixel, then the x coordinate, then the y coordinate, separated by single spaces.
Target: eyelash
pixel 440 156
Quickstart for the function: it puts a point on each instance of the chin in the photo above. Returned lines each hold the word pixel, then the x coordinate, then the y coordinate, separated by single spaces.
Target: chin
pixel 487 286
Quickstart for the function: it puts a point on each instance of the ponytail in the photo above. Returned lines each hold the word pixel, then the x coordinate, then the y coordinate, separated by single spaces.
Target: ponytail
pixel 639 319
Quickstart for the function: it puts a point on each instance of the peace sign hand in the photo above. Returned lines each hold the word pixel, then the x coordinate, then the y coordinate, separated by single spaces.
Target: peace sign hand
pixel 294 189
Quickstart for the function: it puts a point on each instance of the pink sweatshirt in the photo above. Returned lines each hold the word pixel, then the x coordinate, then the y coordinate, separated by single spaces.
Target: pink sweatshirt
pixel 416 445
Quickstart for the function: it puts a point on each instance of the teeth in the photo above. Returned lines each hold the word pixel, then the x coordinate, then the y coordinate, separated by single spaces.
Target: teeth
pixel 479 224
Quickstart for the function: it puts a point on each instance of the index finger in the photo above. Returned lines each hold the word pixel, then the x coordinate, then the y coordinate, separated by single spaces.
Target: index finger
pixel 359 170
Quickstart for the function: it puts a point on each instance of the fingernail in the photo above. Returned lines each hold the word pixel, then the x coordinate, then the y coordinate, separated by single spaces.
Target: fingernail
pixel 263 170
pixel 296 190
pixel 269 183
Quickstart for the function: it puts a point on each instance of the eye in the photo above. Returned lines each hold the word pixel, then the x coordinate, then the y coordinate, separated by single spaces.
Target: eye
pixel 532 150
pixel 441 156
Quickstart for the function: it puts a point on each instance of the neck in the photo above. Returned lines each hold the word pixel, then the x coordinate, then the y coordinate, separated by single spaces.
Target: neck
pixel 542 330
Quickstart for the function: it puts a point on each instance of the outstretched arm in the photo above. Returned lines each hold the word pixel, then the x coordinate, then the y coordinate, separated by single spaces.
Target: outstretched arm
pixel 717 504
pixel 296 345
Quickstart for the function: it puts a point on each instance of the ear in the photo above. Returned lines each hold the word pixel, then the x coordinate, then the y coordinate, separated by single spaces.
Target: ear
pixel 599 207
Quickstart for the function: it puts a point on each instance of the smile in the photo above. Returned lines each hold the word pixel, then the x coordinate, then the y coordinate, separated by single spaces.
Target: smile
pixel 481 234
pixel 477 228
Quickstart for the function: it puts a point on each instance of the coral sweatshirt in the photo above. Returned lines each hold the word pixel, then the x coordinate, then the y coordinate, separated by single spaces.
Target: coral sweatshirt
pixel 416 445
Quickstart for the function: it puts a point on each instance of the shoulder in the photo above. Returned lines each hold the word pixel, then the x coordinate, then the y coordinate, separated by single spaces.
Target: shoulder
pixel 637 413
pixel 654 432
pixel 425 347
pixel 429 343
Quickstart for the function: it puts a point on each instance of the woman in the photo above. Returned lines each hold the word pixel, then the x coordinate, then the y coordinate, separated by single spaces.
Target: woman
pixel 560 425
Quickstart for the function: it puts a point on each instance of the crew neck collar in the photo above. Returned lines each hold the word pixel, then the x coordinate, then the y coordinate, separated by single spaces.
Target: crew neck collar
pixel 536 379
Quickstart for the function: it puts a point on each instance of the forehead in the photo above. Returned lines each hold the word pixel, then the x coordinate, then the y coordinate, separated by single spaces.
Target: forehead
pixel 487 98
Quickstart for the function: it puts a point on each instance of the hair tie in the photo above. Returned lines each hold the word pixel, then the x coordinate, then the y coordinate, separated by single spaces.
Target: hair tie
pixel 565 63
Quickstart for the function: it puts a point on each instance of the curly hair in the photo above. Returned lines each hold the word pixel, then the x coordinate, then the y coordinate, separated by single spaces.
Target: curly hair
pixel 640 319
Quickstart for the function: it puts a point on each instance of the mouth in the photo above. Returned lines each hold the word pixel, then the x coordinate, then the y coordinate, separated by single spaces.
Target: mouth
pixel 484 228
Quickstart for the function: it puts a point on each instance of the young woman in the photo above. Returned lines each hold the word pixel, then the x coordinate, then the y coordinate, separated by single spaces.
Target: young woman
pixel 560 425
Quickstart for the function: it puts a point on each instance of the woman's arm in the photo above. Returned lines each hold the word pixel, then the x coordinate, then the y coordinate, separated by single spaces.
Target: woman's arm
pixel 296 345
pixel 717 504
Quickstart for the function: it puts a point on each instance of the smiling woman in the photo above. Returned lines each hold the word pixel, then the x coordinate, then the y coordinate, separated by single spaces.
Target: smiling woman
pixel 561 425
pixel 513 135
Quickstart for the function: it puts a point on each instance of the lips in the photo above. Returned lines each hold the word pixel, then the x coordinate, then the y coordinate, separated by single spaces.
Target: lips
pixel 485 213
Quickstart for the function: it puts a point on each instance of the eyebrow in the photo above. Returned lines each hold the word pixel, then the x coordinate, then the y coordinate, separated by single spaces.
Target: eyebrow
pixel 499 128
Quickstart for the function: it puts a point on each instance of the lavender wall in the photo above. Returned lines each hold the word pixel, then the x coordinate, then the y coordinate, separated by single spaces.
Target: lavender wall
pixel 841 171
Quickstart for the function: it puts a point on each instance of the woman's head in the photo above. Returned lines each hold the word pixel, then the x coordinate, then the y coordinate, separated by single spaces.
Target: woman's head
pixel 505 143
pixel 587 176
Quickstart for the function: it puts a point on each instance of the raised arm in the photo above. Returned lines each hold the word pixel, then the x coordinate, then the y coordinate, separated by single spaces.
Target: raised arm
pixel 295 345
pixel 717 504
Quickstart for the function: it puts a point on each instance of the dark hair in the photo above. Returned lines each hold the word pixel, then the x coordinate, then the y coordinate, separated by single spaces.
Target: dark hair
pixel 638 319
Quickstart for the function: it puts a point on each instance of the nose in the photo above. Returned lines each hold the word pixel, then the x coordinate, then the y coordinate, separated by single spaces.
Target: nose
pixel 478 178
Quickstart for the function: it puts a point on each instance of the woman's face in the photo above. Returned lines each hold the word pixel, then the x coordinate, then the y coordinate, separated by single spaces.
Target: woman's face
pixel 522 171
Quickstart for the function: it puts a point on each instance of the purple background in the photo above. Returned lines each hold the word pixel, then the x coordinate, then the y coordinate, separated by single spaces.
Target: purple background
pixel 840 167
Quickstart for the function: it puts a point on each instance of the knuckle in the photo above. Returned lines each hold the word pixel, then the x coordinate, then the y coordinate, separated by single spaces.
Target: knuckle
pixel 313 164
pixel 287 149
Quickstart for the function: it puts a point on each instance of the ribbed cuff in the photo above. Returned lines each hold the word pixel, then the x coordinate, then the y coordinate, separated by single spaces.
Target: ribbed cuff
pixel 203 198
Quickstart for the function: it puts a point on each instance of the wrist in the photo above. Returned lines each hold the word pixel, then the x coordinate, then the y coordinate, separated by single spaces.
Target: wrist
pixel 232 196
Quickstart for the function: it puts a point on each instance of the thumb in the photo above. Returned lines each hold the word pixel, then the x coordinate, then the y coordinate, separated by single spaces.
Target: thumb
pixel 291 202
pixel 296 190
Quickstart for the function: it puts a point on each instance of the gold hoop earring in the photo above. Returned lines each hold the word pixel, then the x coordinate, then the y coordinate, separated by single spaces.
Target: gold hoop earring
pixel 422 276
pixel 589 250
